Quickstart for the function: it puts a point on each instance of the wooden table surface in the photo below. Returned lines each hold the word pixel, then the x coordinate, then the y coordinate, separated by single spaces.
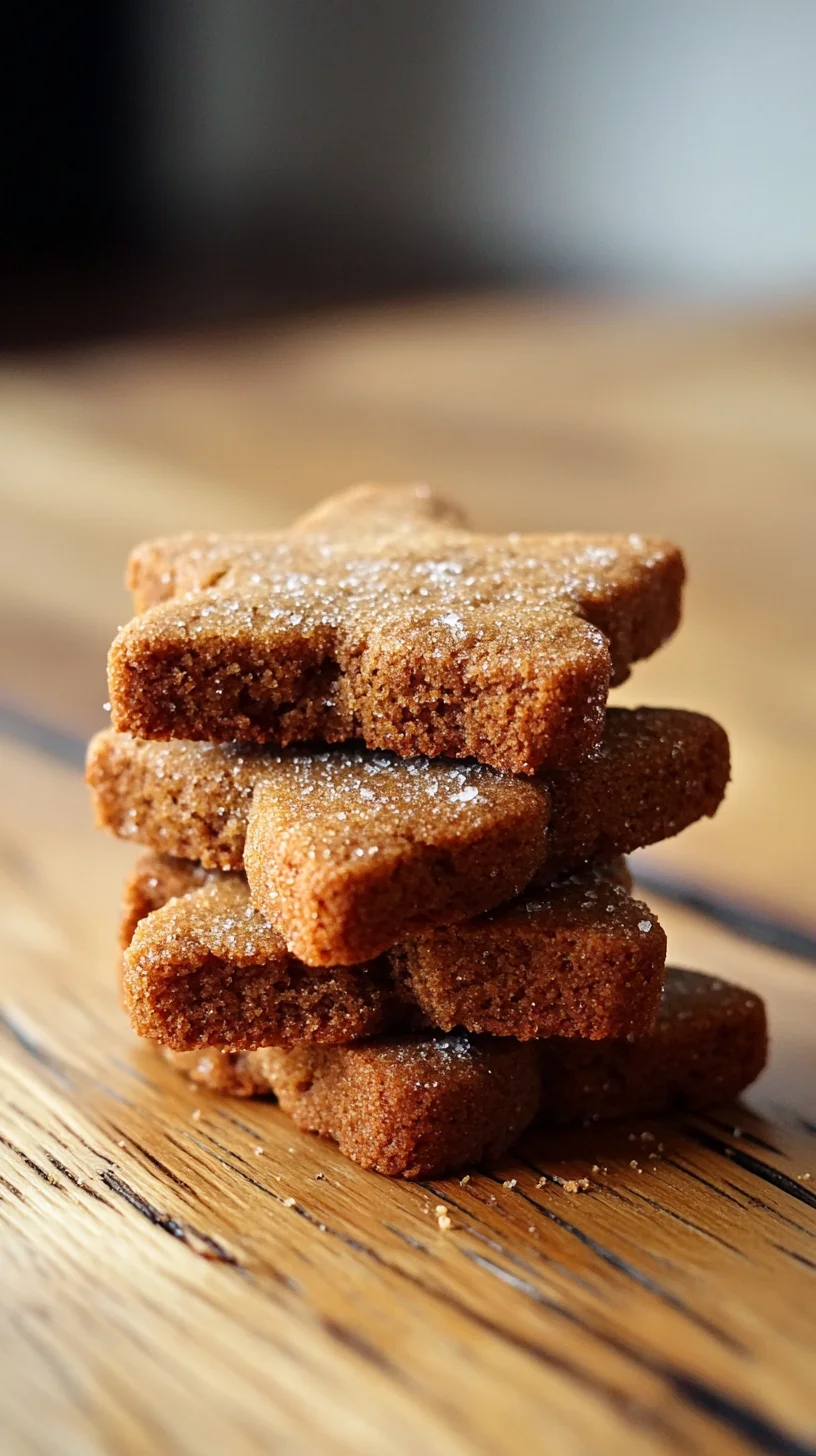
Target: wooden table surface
pixel 161 1291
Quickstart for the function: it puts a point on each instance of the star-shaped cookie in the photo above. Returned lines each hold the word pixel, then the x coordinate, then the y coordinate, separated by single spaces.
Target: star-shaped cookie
pixel 396 1103
pixel 202 967
pixel 349 850
pixel 379 617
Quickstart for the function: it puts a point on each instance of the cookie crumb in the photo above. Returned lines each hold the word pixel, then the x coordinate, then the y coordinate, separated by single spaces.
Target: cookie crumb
pixel 463 1181
pixel 259 1151
pixel 575 1185
pixel 542 1181
pixel 443 1219
pixel 509 1183
pixel 596 1168
pixel 319 1177
pixel 196 1114
pixel 289 1202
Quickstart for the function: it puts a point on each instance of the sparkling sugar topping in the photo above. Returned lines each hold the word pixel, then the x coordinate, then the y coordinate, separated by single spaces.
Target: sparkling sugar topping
pixel 353 802
pixel 380 617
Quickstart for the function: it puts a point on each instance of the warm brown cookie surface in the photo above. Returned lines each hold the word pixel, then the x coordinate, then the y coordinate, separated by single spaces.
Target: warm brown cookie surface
pixel 153 881
pixel 429 1104
pixel 352 851
pixel 657 771
pixel 404 1106
pixel 415 635
pixel 188 800
pixel 709 1043
pixel 412 1106
pixel 349 851
pixel 581 958
pixel 206 969
pixel 344 875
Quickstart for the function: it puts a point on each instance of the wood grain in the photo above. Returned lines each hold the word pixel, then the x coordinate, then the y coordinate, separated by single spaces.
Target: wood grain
pixel 159 1292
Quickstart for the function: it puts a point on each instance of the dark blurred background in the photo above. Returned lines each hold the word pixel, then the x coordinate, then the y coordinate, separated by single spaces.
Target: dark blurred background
pixel 177 163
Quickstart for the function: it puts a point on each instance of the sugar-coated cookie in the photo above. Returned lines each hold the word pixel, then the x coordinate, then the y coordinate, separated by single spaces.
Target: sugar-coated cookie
pixel 431 1103
pixel 204 969
pixel 348 851
pixel 379 618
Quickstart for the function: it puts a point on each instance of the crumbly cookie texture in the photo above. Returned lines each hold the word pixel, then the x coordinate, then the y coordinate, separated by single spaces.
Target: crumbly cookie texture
pixel 377 618
pixel 404 1106
pixel 348 850
pixel 205 969
pixel 431 1103
pixel 709 1043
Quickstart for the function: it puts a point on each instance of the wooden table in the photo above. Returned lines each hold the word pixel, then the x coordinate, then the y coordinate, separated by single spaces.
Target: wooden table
pixel 161 1292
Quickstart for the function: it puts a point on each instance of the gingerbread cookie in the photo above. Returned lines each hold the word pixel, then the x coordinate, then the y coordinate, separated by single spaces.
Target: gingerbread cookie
pixel 379 619
pixel 708 1044
pixel 429 1103
pixel 205 969
pixel 348 850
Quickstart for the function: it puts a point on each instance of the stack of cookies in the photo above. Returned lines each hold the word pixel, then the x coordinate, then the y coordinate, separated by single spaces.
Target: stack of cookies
pixel 385 809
